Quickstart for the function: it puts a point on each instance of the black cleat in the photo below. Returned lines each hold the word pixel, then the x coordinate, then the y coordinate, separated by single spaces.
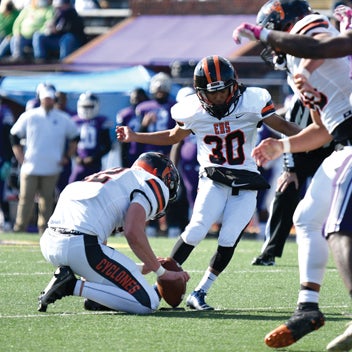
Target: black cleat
pixel 94 306
pixel 62 284
pixel 306 318
pixel 265 260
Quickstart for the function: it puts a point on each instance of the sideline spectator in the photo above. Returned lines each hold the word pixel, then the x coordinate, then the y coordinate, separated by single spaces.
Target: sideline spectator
pixel 31 18
pixel 94 140
pixel 8 15
pixel 35 102
pixel 31 104
pixel 46 130
pixel 60 103
pixel 63 34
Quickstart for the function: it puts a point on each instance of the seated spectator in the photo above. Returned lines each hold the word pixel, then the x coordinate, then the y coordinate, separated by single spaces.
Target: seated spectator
pixel 62 36
pixel 32 18
pixel 8 15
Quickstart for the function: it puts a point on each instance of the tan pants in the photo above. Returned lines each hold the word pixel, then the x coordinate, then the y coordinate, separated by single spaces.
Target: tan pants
pixel 44 188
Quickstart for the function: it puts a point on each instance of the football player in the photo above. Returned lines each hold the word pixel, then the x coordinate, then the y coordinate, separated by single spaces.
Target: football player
pixel 94 140
pixel 324 86
pixel 224 116
pixel 303 46
pixel 87 213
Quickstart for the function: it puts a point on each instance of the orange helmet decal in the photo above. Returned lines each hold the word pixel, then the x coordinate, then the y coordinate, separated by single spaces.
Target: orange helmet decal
pixel 276 6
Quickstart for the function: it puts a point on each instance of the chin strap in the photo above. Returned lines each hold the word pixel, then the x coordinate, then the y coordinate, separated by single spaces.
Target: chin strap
pixel 227 108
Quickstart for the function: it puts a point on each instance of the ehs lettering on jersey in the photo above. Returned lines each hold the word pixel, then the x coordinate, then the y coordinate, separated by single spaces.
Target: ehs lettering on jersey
pixel 222 127
pixel 119 275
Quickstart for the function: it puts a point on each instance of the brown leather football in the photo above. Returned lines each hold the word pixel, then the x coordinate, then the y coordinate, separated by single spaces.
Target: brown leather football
pixel 172 291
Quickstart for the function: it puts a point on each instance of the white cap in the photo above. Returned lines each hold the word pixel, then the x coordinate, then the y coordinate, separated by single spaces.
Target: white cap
pixel 46 92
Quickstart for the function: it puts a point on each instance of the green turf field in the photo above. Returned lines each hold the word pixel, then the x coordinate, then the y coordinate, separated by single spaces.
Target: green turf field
pixel 250 301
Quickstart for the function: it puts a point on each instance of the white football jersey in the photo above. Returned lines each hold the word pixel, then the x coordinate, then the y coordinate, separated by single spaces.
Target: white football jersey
pixel 98 205
pixel 227 142
pixel 331 78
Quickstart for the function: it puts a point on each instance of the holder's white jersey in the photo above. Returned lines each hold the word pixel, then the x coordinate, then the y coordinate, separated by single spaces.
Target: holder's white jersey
pixel 227 142
pixel 331 78
pixel 98 205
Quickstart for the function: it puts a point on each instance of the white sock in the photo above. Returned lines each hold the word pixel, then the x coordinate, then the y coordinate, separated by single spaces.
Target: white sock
pixel 308 296
pixel 206 282
pixel 78 288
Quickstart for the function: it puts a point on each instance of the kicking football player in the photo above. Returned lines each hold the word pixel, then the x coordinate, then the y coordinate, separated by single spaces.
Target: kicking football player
pixel 87 213
pixel 223 115
pixel 325 86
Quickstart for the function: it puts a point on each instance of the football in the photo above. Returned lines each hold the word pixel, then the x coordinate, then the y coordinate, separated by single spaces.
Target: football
pixel 172 291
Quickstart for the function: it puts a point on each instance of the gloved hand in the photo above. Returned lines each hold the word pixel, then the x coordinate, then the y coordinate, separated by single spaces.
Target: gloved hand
pixel 5 170
pixel 344 15
pixel 249 31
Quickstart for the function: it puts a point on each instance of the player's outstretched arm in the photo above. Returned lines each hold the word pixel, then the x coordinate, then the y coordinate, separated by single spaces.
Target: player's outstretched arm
pixel 266 150
pixel 249 31
pixel 309 47
pixel 124 134
pixel 167 137
pixel 297 45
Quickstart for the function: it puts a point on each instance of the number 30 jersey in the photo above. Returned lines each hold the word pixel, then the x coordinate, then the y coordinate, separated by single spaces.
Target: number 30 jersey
pixel 98 205
pixel 227 142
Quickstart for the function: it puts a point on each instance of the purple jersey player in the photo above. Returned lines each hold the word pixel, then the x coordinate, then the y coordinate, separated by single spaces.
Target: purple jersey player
pixel 127 117
pixel 94 137
pixel 155 114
